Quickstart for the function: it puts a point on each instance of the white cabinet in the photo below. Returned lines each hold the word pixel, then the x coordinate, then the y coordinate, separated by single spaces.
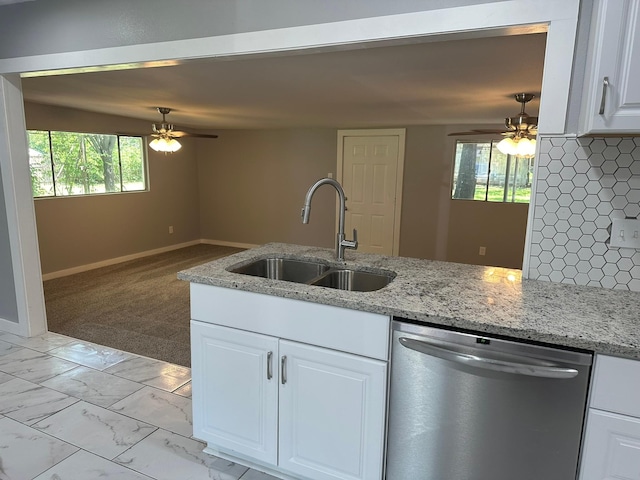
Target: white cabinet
pixel 612 440
pixel 612 447
pixel 611 102
pixel 332 408
pixel 235 389
pixel 302 411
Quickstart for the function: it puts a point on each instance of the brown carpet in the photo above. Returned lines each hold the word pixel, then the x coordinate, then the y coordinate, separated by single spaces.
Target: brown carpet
pixel 137 306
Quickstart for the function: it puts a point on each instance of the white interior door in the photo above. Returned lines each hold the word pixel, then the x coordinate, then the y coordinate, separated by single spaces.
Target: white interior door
pixel 371 175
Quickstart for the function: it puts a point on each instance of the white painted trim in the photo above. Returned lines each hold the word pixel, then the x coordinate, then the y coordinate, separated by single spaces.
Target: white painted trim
pixel 556 75
pixel 530 213
pixel 23 238
pixel 11 327
pixel 401 133
pixel 224 243
pixel 134 256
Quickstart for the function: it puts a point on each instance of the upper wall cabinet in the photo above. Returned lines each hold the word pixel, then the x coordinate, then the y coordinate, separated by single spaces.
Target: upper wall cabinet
pixel 611 102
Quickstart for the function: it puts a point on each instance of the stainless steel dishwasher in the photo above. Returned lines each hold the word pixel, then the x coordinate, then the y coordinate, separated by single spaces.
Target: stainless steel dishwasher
pixel 470 407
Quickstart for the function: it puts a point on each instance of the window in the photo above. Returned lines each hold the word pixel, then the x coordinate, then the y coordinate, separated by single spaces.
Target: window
pixel 482 172
pixel 67 163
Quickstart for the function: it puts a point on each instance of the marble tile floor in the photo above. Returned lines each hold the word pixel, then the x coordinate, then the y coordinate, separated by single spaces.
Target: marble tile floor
pixel 72 410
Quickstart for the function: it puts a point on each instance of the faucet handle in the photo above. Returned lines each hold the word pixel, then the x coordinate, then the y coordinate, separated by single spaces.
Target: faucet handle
pixel 354 243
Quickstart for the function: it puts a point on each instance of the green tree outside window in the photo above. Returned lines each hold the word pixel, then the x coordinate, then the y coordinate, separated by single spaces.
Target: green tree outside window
pixel 69 163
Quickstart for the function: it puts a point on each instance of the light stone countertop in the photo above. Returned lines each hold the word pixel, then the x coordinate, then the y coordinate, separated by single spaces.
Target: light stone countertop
pixel 489 300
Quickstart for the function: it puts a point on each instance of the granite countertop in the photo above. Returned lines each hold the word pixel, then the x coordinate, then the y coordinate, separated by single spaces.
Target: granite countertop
pixel 489 300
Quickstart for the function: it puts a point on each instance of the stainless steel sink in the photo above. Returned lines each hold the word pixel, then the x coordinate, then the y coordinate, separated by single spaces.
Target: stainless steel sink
pixel 354 280
pixel 314 273
pixel 289 270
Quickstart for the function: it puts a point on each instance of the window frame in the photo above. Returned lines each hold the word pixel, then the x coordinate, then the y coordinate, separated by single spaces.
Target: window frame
pixel 117 155
pixel 509 171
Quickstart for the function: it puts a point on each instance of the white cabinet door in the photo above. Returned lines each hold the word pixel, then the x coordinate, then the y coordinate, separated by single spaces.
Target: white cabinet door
pixel 612 447
pixel 332 413
pixel 235 390
pixel 613 105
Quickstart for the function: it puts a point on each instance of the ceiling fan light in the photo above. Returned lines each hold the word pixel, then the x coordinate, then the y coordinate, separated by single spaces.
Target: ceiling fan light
pixel 162 144
pixel 507 146
pixel 173 145
pixel 526 147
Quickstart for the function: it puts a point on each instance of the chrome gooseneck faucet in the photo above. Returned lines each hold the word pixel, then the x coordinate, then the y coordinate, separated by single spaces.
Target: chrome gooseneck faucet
pixel 341 242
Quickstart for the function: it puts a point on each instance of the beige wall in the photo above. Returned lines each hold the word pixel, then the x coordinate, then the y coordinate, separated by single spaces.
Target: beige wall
pixel 426 195
pixel 248 187
pixel 75 231
pixel 252 186
pixel 500 227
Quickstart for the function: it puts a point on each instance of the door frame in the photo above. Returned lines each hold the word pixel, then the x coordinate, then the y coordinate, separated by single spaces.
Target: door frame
pixel 401 133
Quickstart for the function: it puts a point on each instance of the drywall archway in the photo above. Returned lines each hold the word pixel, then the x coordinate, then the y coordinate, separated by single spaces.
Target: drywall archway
pixel 506 17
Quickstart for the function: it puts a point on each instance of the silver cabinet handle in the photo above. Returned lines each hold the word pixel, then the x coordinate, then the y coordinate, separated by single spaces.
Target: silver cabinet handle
pixel 448 352
pixel 603 101
pixel 269 365
pixel 283 369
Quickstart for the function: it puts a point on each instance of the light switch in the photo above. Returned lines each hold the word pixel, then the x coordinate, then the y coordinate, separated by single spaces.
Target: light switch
pixel 625 233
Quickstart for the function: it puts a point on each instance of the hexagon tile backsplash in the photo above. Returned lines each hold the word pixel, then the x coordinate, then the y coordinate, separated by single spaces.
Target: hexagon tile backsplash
pixel 583 184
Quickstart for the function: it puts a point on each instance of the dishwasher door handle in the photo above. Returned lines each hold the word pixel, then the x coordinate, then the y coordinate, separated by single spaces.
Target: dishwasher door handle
pixel 448 352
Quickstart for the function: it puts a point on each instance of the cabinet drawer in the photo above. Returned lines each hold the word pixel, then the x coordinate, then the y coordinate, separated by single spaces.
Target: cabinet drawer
pixel 616 386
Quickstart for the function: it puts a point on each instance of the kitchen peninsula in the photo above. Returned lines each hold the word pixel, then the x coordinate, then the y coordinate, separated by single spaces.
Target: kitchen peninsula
pixel 490 300
pixel 292 378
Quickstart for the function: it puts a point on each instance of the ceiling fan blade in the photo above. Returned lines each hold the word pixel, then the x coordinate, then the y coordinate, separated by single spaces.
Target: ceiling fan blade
pixel 477 132
pixel 134 134
pixel 179 134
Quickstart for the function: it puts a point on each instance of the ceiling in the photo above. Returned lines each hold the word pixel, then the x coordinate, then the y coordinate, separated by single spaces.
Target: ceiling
pixel 454 82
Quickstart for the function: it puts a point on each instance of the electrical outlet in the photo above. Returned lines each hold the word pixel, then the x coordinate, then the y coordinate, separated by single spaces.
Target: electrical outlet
pixel 482 251
pixel 170 229
pixel 625 233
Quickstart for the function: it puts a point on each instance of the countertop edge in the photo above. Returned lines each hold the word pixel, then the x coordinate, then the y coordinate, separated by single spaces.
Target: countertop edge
pixel 215 274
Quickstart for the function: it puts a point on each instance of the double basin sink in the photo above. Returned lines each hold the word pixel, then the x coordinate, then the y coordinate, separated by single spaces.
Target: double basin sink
pixel 315 273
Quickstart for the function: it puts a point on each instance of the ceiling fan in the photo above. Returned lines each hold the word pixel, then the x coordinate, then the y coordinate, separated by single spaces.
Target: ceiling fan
pixel 165 135
pixel 520 132
pixel 523 124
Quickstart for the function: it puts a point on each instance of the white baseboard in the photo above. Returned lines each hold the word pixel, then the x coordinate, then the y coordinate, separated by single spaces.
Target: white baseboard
pixel 134 256
pixel 113 261
pixel 223 243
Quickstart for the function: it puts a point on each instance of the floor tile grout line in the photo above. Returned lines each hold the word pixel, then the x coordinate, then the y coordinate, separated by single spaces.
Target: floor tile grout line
pixel 81 448
pixel 144 421
pixel 142 385
pixel 72 340
pixel 58 462
pixel 156 428
pixel 97 455
pixel 103 370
